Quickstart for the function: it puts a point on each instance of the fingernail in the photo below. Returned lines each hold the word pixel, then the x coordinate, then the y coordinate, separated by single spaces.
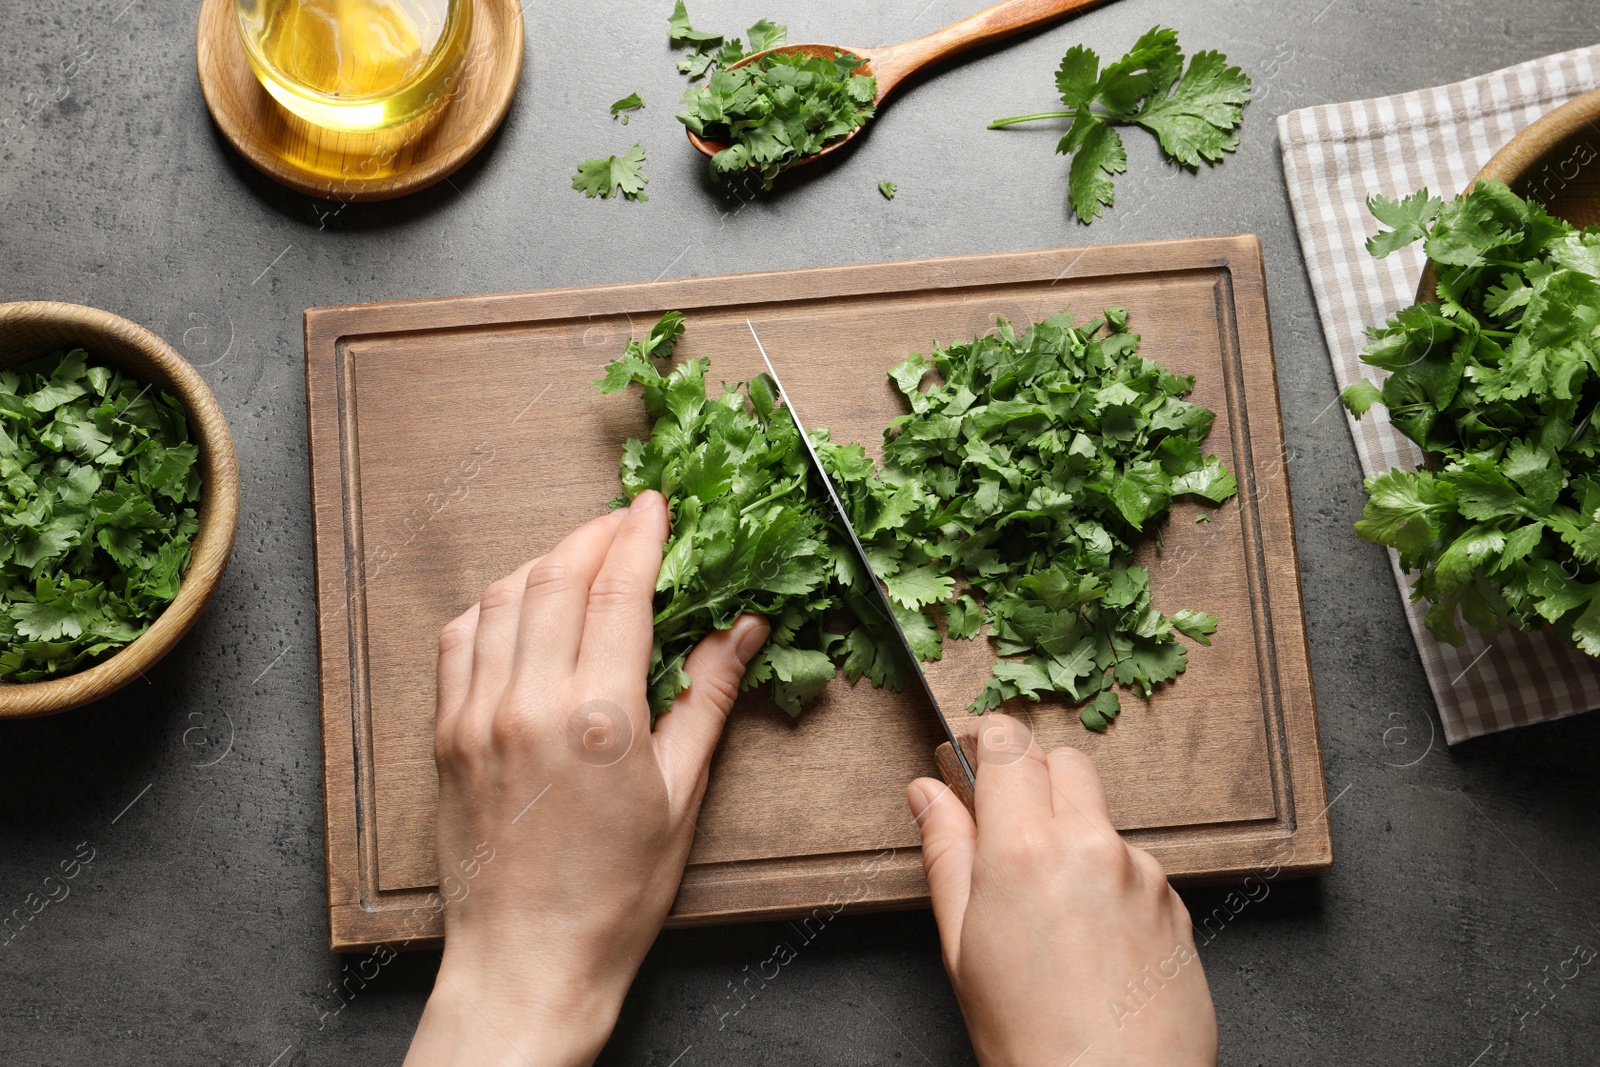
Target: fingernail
pixel 919 800
pixel 754 634
pixel 647 501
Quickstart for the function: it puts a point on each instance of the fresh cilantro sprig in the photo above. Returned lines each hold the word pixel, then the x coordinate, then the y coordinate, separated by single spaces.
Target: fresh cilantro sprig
pixel 749 532
pixel 1194 114
pixel 98 482
pixel 774 111
pixel 615 175
pixel 1013 494
pixel 1496 381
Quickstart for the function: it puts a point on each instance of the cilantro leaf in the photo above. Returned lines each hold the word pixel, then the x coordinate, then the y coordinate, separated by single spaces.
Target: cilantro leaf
pixel 1195 114
pixel 1359 396
pixel 631 102
pixel 1100 712
pixel 888 189
pixel 1097 154
pixel 1198 117
pixel 679 32
pixel 1409 218
pixel 613 175
pixel 766 34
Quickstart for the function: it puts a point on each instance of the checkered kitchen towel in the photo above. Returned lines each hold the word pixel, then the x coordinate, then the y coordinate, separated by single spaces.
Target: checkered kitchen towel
pixel 1334 157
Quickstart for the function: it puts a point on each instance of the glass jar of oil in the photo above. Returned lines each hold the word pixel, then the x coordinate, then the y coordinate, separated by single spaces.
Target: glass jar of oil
pixel 356 65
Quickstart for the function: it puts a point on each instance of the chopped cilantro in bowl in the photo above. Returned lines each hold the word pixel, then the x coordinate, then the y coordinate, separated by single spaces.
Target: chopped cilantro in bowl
pixel 99 483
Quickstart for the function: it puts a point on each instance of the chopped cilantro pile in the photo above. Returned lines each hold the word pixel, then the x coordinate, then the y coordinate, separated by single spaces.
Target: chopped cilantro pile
pixel 1194 113
pixel 748 532
pixel 1496 381
pixel 98 481
pixel 1012 494
pixel 775 111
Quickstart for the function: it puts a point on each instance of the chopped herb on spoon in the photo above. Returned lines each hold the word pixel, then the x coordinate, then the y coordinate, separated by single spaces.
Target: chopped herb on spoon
pixel 775 111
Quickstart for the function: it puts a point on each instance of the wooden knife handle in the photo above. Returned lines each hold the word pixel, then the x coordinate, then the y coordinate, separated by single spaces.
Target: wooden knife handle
pixel 954 775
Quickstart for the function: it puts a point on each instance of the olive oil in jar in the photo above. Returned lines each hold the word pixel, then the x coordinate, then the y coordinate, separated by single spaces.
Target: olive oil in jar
pixel 356 65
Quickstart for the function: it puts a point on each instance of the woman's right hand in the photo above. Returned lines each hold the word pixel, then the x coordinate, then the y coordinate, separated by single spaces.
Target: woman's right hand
pixel 1064 944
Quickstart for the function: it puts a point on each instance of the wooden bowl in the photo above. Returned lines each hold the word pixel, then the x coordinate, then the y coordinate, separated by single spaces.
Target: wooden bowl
pixel 1555 161
pixel 36 328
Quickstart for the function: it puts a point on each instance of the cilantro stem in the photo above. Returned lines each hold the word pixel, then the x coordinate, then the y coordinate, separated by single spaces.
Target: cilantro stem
pixel 777 494
pixel 1014 120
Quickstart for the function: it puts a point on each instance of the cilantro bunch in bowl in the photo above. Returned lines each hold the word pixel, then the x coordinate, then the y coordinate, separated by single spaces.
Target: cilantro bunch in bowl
pixel 98 490
pixel 1496 380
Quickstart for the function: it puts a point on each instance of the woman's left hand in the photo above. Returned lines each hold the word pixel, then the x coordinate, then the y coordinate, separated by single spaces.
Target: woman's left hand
pixel 564 820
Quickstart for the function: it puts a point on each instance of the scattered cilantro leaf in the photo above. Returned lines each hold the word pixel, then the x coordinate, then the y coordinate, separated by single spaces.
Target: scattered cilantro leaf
pixel 888 189
pixel 613 175
pixel 99 483
pixel 679 32
pixel 1195 114
pixel 1496 381
pixel 630 103
pixel 712 51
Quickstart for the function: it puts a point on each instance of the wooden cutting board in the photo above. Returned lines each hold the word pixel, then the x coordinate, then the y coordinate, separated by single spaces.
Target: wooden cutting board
pixel 451 440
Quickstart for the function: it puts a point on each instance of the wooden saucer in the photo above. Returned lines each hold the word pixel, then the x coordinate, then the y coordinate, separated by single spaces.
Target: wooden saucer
pixel 379 165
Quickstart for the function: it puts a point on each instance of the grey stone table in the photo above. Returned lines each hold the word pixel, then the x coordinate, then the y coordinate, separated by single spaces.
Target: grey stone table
pixel 1462 879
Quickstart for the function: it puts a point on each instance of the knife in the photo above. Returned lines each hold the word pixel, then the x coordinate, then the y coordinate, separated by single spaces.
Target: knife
pixel 953 758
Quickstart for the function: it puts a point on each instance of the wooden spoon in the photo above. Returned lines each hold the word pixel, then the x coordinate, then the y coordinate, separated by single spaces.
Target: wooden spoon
pixel 893 64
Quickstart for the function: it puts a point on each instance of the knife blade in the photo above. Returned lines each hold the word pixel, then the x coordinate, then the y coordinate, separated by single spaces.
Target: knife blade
pixel 952 758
